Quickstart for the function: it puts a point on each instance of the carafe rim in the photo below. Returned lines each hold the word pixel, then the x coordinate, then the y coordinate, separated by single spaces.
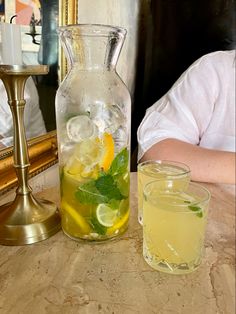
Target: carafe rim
pixel 96 30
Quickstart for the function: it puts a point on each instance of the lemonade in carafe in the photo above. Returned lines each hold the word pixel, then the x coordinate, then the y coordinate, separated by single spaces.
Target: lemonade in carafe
pixel 93 129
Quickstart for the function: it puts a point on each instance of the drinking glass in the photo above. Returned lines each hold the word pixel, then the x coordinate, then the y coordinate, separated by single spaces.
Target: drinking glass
pixel 174 175
pixel 174 225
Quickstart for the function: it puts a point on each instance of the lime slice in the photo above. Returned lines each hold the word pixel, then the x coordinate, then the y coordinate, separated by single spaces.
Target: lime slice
pixel 79 128
pixel 106 216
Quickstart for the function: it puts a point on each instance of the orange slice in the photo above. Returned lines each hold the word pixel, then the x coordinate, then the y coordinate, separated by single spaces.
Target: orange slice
pixel 108 149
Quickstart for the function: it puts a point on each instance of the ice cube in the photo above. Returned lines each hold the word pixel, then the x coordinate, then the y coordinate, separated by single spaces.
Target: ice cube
pixel 120 138
pixel 80 127
pixel 108 118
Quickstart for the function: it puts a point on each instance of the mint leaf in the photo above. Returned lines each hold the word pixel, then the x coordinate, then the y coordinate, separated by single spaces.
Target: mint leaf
pixel 88 194
pixel 101 173
pixel 194 208
pixel 108 188
pixel 200 214
pixel 197 209
pixel 114 204
pixel 105 188
pixel 97 227
pixel 123 184
pixel 120 163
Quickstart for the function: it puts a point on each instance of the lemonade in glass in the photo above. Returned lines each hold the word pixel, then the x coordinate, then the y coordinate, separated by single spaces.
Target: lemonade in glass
pixel 174 225
pixel 172 174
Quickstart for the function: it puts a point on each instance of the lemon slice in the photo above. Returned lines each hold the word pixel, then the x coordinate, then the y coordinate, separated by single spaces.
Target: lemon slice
pixel 120 223
pixel 80 128
pixel 78 219
pixel 106 216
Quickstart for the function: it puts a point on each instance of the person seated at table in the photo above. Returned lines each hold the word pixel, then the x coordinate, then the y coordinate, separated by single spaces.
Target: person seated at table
pixel 194 122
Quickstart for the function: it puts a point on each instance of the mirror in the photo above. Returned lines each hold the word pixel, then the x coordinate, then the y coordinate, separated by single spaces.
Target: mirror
pixel 42 149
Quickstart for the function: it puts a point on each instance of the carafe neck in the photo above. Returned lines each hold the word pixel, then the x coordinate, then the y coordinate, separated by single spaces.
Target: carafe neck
pixel 92 47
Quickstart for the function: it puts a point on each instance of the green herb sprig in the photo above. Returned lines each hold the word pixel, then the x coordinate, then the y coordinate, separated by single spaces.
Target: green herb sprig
pixel 106 188
pixel 195 208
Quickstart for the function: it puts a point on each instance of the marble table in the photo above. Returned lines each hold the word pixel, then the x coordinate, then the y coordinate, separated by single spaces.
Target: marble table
pixel 60 275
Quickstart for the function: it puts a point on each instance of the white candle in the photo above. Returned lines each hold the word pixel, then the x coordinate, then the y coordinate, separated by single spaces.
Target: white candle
pixel 11 44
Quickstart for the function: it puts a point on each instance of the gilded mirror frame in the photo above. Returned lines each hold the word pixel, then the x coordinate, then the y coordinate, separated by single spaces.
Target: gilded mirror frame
pixel 43 149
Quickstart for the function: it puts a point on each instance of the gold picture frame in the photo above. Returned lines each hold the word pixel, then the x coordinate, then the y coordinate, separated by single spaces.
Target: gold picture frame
pixel 68 14
pixel 43 149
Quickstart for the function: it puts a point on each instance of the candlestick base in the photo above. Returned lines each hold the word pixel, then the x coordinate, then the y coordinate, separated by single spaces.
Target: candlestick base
pixel 28 220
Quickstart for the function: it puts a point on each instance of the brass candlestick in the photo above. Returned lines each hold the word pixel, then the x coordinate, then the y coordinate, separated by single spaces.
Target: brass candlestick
pixel 26 220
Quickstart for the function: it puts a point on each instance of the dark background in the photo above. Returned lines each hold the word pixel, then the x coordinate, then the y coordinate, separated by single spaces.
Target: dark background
pixel 48 55
pixel 173 34
pixel 1 7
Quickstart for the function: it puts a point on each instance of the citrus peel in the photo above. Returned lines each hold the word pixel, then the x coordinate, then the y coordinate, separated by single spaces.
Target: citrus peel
pixel 108 151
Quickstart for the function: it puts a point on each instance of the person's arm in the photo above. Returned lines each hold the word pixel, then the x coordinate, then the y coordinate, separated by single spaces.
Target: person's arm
pixel 206 165
pixel 34 123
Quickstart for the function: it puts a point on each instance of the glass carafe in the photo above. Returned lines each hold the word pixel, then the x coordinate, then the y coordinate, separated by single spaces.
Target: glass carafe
pixel 93 109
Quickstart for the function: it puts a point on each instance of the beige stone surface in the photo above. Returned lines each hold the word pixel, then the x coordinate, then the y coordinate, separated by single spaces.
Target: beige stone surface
pixel 60 275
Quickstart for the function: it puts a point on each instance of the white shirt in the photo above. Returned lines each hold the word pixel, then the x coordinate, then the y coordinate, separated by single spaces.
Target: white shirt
pixel 34 123
pixel 198 109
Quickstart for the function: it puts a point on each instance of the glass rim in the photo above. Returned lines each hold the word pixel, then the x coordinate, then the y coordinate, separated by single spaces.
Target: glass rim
pixel 194 184
pixel 182 165
pixel 94 30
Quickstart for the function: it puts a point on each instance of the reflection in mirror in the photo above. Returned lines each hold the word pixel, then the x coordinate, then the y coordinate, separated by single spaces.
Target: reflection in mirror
pixel 32 19
pixel 42 149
